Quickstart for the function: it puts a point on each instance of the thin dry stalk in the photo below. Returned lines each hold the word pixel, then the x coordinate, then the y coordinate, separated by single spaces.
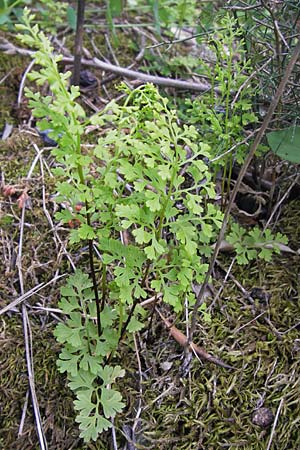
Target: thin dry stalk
pixel 27 331
pixel 275 424
pixel 24 412
pixel 22 84
pixel 279 203
pixel 139 411
pixel 29 294
pixel 114 435
pixel 222 286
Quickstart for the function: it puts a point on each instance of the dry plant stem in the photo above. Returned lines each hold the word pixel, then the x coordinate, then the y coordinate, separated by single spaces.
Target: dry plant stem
pixel 243 170
pixel 127 431
pixel 78 41
pixel 183 340
pixel 11 49
pixel 21 88
pixel 244 141
pixel 159 81
pixel 30 371
pixel 275 424
pixel 247 81
pixel 114 436
pixel 249 323
pixel 176 41
pixel 24 412
pixel 7 75
pixel 243 8
pixel 111 50
pixel 139 411
pixel 222 286
pixel 29 294
pixel 28 334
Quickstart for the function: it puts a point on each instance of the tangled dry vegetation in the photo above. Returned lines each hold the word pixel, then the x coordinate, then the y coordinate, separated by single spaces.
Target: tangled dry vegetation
pixel 254 309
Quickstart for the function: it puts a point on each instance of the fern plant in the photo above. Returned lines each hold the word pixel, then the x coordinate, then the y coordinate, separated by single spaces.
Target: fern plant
pixel 222 117
pixel 86 342
pixel 83 356
pixel 253 244
pixel 132 182
pixel 143 196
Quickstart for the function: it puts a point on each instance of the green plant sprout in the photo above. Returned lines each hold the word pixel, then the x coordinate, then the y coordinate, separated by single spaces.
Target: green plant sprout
pixel 146 202
pixel 12 11
pixel 8 8
pixel 254 243
pixel 222 118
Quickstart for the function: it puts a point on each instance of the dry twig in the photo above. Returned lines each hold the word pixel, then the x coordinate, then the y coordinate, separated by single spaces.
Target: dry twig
pixel 28 334
pixel 183 341
pixel 275 424
pixel 9 48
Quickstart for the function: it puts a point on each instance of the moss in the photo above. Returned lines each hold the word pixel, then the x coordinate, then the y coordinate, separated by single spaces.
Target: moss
pixel 11 71
pixel 13 167
pixel 57 415
pixel 209 408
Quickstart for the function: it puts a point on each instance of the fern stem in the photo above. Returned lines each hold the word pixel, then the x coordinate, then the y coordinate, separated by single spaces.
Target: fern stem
pixel 103 287
pixel 90 245
pixel 95 287
pixel 78 42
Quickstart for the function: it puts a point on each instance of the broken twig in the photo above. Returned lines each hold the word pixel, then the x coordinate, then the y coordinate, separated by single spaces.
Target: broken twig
pixel 182 340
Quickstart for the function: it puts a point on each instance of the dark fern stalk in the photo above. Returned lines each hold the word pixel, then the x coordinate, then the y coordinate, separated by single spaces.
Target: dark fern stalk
pixel 75 81
pixel 91 252
pixel 78 42
pixel 95 287
pixel 132 309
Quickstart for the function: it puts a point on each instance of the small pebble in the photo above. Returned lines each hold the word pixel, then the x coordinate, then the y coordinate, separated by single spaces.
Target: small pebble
pixel 87 79
pixel 263 417
pixel 260 294
pixel 46 139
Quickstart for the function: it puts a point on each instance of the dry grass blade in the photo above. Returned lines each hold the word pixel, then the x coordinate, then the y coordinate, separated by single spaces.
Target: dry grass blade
pixel 275 424
pixel 29 294
pixel 27 331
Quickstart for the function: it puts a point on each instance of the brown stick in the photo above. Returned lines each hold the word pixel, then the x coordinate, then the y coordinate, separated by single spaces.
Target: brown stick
pixel 160 81
pixel 183 341
pixel 243 171
pixel 9 48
